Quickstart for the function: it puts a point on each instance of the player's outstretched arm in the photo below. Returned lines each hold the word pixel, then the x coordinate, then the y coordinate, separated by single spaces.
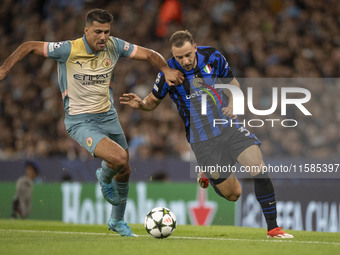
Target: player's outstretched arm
pixel 23 50
pixel 172 76
pixel 147 104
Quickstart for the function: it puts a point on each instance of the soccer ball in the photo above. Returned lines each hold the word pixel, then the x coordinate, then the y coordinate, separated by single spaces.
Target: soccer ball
pixel 160 222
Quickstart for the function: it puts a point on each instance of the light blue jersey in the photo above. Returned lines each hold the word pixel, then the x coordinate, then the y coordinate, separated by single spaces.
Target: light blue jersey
pixel 85 76
pixel 85 80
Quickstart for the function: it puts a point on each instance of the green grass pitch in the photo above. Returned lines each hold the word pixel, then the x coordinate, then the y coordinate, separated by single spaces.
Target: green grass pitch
pixel 27 237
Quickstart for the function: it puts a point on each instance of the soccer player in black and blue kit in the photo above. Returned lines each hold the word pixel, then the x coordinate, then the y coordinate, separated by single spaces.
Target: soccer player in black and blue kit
pixel 222 145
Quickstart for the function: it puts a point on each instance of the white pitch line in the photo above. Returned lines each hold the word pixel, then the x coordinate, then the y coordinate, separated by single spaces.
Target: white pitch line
pixel 53 232
pixel 177 237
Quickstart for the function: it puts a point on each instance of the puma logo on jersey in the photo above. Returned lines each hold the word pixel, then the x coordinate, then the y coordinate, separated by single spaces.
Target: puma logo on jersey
pixel 80 64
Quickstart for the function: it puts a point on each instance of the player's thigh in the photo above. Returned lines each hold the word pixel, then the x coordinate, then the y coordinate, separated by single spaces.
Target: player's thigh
pixel 118 156
pixel 251 158
pixel 244 148
pixel 213 158
pixel 95 137
pixel 110 151
pixel 87 135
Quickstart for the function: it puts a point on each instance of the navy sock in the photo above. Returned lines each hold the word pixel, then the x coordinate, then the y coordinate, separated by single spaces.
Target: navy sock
pixel 265 195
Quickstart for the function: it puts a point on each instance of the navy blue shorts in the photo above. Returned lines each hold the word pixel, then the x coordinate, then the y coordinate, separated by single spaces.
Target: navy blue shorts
pixel 223 150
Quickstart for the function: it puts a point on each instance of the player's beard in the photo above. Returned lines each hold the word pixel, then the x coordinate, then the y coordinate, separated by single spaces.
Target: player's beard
pixel 190 66
pixel 101 45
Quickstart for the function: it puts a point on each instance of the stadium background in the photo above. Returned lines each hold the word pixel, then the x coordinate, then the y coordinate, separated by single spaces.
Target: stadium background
pixel 267 39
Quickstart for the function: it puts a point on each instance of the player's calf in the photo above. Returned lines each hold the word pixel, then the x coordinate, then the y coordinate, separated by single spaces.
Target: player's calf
pixel 230 188
pixel 123 175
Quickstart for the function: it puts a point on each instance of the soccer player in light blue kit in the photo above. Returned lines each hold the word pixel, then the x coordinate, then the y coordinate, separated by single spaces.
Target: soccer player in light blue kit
pixel 85 70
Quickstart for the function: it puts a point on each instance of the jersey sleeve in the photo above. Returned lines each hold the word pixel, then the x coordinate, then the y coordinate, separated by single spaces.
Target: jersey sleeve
pixel 125 49
pixel 224 68
pixel 59 51
pixel 160 87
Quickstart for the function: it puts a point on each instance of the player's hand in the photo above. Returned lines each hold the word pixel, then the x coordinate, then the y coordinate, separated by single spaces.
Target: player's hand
pixel 202 180
pixel 3 73
pixel 228 112
pixel 131 100
pixel 173 77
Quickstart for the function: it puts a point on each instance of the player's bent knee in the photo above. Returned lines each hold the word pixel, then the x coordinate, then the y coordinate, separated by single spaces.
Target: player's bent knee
pixel 235 195
pixel 118 162
pixel 232 198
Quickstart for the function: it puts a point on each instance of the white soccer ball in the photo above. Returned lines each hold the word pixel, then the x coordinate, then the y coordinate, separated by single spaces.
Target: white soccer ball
pixel 160 222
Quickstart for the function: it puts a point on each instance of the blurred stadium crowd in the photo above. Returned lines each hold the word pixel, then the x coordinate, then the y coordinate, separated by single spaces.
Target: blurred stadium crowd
pixel 260 39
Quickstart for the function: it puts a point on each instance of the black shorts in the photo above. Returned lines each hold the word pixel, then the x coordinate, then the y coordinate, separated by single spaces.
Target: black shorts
pixel 221 152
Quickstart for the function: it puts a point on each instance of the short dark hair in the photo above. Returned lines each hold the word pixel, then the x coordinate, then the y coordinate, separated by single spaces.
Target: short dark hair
pixel 180 37
pixel 99 15
pixel 34 165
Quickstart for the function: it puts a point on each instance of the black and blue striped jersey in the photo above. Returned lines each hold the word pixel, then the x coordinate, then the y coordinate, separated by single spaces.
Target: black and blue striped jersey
pixel 211 65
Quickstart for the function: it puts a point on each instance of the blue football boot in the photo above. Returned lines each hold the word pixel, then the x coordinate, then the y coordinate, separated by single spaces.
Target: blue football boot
pixel 109 190
pixel 121 228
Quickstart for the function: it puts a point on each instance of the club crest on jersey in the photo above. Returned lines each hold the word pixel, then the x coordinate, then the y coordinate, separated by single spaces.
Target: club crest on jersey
pixel 94 64
pixel 89 141
pixel 107 62
pixel 198 82
pixel 207 68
